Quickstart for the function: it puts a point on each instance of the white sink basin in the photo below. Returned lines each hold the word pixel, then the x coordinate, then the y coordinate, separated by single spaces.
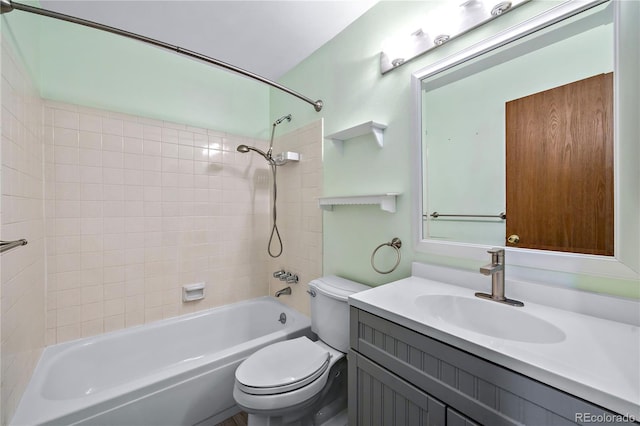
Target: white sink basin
pixel 489 318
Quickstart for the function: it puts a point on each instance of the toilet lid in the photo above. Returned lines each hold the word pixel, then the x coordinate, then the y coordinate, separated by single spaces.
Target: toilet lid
pixel 282 367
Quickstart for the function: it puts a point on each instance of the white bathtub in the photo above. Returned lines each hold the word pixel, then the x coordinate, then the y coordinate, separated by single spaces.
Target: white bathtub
pixel 178 371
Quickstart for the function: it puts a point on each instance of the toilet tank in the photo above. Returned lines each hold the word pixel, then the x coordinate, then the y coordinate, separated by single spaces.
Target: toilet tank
pixel 330 310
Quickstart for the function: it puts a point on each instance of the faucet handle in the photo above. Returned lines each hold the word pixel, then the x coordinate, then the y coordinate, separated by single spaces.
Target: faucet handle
pixel 277 274
pixel 496 250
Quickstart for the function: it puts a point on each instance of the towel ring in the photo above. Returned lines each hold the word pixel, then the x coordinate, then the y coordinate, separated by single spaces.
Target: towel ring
pixel 396 244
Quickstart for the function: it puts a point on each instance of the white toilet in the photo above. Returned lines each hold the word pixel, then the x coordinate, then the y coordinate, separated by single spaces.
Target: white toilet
pixel 299 381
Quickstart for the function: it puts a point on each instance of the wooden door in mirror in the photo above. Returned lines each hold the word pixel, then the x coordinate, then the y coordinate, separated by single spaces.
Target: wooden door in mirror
pixel 559 168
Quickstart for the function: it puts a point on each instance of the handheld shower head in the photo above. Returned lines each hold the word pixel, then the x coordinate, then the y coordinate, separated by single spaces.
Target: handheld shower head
pixel 245 148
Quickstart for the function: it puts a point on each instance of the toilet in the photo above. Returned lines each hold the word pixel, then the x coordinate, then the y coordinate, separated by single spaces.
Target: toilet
pixel 303 382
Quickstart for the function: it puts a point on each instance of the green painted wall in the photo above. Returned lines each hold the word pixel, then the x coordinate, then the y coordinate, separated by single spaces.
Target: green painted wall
pixel 88 67
pixel 345 74
pixel 22 34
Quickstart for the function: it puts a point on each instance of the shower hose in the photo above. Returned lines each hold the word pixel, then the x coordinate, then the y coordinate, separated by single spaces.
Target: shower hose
pixel 274 229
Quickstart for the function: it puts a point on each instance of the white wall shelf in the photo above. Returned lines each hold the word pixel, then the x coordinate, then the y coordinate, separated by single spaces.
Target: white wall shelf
pixel 387 202
pixel 377 129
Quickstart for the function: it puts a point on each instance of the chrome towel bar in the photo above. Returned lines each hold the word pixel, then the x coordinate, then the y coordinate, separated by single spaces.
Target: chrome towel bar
pixel 8 245
pixel 501 215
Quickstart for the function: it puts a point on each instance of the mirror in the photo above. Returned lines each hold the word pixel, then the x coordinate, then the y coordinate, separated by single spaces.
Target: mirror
pixel 460 134
pixel 463 122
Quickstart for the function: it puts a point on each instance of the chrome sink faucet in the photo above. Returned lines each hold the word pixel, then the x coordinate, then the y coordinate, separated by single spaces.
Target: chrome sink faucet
pixel 496 270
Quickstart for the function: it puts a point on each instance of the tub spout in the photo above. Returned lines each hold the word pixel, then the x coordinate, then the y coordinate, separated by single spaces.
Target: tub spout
pixel 286 290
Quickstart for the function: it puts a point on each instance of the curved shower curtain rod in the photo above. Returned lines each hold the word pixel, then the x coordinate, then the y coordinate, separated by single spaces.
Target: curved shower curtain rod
pixel 8 6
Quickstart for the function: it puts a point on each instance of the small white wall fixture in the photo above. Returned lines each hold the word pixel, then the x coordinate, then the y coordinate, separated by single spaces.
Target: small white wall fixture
pixel 373 127
pixel 387 201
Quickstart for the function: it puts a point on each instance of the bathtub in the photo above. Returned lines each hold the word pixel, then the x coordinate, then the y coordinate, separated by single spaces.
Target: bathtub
pixel 178 371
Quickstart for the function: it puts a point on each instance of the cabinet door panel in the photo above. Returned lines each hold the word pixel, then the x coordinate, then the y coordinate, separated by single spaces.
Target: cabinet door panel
pixel 384 399
pixel 456 419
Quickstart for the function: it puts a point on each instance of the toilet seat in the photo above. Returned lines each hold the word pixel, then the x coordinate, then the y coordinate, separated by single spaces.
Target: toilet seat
pixel 280 400
pixel 282 367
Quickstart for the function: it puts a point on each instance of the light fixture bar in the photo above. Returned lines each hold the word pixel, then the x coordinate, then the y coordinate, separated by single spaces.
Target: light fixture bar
pixel 461 19
pixel 8 6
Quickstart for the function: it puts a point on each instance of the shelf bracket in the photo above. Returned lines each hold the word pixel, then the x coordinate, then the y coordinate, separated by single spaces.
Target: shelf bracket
pixel 378 133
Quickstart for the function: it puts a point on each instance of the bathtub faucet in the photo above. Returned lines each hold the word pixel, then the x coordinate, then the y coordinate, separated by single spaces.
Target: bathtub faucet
pixel 283 275
pixel 286 290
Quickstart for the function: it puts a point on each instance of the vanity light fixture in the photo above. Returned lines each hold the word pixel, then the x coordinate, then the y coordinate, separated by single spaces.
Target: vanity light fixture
pixel 443 25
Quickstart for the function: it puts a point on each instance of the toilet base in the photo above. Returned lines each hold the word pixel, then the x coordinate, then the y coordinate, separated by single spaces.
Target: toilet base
pixel 326 407
pixel 256 420
pixel 339 419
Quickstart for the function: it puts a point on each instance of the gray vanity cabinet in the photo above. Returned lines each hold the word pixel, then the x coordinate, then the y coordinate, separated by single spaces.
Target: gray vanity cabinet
pixel 400 377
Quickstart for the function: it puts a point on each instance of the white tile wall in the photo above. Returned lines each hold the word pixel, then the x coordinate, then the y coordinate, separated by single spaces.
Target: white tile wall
pixel 135 209
pixel 299 218
pixel 22 269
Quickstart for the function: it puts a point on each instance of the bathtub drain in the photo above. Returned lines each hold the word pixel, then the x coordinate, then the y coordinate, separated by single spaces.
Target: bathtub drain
pixel 283 318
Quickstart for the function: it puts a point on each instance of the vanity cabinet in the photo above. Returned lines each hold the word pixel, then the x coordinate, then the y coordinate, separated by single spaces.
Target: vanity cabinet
pixel 400 377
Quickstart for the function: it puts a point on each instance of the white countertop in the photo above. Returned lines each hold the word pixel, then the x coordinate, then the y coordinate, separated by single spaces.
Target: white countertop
pixel 599 360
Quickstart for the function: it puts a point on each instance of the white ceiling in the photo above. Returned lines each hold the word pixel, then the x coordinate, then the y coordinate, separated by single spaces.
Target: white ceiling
pixel 265 37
